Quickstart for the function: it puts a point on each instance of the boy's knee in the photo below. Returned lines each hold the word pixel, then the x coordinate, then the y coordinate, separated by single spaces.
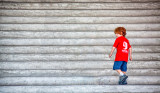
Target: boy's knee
pixel 124 72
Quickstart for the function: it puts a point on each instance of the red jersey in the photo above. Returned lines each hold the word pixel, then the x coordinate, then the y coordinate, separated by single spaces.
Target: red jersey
pixel 122 45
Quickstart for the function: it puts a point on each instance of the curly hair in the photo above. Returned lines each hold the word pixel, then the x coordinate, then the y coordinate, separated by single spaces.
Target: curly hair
pixel 118 30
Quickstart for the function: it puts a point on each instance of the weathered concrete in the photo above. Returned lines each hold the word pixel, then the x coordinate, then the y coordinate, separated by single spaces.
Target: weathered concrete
pixel 151 5
pixel 67 43
pixel 67 65
pixel 81 89
pixel 79 20
pixel 78 27
pixel 76 34
pixel 76 72
pixel 107 41
pixel 80 13
pixel 70 57
pixel 97 1
pixel 104 80
pixel 73 49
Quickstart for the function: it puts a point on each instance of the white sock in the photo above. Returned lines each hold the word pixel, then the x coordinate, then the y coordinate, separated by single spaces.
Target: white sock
pixel 121 74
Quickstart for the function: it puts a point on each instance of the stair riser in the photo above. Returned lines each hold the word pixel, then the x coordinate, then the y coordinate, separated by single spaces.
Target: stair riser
pixel 64 65
pixel 80 13
pixel 80 72
pixel 47 81
pixel 76 35
pixel 73 49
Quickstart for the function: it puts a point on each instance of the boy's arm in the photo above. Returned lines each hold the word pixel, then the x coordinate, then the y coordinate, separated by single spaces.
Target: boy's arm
pixel 130 56
pixel 113 48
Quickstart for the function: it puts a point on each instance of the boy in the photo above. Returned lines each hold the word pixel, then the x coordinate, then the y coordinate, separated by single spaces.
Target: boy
pixel 122 44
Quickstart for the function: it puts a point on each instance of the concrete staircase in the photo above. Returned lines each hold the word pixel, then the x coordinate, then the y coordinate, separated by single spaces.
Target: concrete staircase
pixel 62 46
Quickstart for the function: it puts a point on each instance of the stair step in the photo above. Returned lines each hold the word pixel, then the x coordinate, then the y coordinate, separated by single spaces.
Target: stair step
pixel 76 65
pixel 109 41
pixel 103 80
pixel 78 57
pixel 73 49
pixel 78 27
pixel 81 89
pixel 76 20
pixel 74 35
pixel 73 65
pixel 57 46
pixel 49 6
pixel 82 13
pixel 76 72
pixel 85 1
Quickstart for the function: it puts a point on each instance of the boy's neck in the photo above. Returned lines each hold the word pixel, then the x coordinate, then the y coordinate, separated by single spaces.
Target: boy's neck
pixel 120 35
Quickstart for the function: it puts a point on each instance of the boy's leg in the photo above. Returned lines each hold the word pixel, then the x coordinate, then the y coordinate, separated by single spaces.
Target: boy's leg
pixel 121 77
pixel 120 72
pixel 117 66
pixel 125 82
pixel 124 70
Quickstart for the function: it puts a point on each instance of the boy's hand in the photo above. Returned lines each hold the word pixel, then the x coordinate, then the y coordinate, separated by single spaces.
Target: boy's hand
pixel 113 48
pixel 110 55
pixel 130 58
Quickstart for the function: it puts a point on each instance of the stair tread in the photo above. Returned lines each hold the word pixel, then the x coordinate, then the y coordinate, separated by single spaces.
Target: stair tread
pixel 74 80
pixel 81 88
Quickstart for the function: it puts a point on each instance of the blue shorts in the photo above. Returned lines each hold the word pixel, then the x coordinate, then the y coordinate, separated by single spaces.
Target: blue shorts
pixel 122 65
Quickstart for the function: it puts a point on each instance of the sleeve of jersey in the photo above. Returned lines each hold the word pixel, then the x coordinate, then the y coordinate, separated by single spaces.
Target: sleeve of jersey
pixel 115 43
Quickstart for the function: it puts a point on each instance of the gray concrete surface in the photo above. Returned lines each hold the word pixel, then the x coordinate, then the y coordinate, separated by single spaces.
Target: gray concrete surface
pixel 74 57
pixel 79 13
pixel 78 27
pixel 84 42
pixel 97 1
pixel 152 5
pixel 80 20
pixel 68 64
pixel 61 72
pixel 62 46
pixel 75 35
pixel 103 80
pixel 81 89
pixel 73 49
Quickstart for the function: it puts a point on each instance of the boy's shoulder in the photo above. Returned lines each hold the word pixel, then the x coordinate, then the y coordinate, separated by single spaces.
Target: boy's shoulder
pixel 126 40
pixel 123 39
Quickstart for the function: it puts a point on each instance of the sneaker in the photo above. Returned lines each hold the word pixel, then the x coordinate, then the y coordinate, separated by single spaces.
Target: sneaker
pixel 125 82
pixel 122 79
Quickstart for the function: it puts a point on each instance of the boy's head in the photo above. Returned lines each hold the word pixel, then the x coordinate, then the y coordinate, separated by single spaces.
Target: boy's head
pixel 120 31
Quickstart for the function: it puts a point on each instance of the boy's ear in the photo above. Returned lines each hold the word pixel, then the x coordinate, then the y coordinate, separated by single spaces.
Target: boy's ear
pixel 121 33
